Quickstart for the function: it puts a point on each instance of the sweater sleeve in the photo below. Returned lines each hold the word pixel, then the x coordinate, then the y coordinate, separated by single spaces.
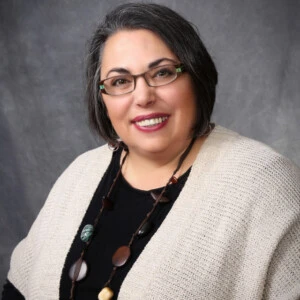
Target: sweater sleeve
pixel 284 272
pixel 26 252
pixel 283 278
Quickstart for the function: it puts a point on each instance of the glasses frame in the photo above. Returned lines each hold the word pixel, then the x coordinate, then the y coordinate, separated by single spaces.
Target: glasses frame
pixel 179 68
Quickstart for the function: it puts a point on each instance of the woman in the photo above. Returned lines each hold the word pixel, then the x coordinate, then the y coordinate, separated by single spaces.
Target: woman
pixel 182 209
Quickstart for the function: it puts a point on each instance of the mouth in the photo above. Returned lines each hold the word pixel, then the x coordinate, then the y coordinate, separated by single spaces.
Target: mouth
pixel 151 122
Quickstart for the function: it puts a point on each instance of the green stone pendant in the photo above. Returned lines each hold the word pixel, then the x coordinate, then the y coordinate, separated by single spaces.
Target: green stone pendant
pixel 87 233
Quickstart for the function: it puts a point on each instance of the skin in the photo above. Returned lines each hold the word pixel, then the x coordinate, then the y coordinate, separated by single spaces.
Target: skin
pixel 153 154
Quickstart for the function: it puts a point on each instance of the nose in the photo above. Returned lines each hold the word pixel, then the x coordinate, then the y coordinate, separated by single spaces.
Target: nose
pixel 143 93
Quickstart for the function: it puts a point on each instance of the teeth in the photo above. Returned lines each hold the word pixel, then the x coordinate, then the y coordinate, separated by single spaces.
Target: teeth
pixel 152 122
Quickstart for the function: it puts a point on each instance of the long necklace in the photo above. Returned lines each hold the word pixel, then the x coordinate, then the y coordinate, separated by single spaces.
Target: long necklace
pixel 79 269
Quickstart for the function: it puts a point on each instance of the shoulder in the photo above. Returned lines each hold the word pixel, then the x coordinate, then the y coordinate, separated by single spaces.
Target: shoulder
pixel 95 156
pixel 96 159
pixel 250 170
pixel 81 177
pixel 236 149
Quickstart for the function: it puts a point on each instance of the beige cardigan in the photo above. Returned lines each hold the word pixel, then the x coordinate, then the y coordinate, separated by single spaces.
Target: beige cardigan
pixel 233 232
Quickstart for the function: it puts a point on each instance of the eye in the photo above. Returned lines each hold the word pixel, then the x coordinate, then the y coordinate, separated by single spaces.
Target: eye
pixel 164 71
pixel 120 81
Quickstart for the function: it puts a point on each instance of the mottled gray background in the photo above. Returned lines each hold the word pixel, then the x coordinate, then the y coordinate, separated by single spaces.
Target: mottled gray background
pixel 43 123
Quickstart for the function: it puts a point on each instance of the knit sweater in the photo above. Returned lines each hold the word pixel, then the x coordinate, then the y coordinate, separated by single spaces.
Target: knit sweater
pixel 233 232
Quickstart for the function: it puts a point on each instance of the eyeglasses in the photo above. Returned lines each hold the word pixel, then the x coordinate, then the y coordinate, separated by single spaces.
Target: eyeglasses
pixel 126 83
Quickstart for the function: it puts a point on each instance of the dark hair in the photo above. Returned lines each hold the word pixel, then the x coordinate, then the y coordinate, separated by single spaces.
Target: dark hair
pixel 178 34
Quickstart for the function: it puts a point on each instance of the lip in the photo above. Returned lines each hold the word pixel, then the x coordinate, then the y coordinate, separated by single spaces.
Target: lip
pixel 150 116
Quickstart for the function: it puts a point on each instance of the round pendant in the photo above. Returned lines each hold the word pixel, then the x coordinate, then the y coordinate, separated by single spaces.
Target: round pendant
pixel 87 233
pixel 79 267
pixel 106 294
pixel 121 256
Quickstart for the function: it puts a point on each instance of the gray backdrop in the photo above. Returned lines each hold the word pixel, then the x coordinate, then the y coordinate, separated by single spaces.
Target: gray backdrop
pixel 43 123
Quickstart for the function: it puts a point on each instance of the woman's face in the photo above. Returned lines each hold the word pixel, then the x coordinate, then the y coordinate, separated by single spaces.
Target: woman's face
pixel 170 109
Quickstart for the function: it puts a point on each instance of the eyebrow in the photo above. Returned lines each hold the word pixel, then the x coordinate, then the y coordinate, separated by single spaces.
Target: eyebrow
pixel 150 65
pixel 158 61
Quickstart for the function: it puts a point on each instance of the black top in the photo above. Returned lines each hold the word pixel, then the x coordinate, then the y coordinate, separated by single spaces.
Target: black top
pixel 114 229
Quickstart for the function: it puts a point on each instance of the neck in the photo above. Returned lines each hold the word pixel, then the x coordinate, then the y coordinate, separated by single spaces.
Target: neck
pixel 151 171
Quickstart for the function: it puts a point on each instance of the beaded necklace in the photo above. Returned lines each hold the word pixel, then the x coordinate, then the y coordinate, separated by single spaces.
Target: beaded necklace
pixel 79 269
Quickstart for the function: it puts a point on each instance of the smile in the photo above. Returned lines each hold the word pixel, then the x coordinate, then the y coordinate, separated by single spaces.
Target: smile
pixel 151 122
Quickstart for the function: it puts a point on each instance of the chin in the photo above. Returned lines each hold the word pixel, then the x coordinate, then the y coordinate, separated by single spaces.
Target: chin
pixel 150 147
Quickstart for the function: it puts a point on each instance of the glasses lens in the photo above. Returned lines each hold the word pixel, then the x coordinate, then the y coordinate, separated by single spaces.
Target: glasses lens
pixel 118 85
pixel 161 75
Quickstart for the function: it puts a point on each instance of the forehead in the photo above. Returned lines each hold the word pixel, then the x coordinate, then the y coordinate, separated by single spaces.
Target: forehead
pixel 133 49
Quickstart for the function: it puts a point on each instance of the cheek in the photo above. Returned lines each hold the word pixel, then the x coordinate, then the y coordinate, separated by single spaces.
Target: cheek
pixel 188 100
pixel 183 100
pixel 111 107
pixel 116 109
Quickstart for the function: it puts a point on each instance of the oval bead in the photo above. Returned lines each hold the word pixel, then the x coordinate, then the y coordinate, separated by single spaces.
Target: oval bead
pixel 107 204
pixel 163 199
pixel 87 233
pixel 145 229
pixel 106 294
pixel 121 256
pixel 80 263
